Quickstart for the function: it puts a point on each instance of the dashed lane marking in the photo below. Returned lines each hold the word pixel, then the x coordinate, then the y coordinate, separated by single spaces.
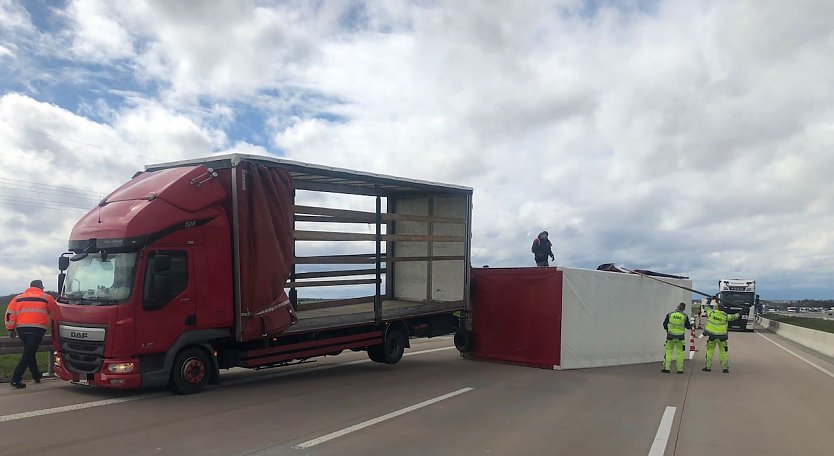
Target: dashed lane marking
pixel 371 422
pixel 661 438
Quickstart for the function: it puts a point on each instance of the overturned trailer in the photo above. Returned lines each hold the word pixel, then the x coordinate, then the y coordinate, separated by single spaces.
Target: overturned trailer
pixel 568 318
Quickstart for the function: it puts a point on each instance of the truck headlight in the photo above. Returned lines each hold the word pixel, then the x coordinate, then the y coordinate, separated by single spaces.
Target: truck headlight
pixel 57 361
pixel 121 368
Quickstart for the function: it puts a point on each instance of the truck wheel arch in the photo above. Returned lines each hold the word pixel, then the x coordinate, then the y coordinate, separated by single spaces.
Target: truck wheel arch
pixel 400 326
pixel 200 338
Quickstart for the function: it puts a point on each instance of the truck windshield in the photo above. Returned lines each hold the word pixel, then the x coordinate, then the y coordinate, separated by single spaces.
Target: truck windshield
pixel 96 281
pixel 737 299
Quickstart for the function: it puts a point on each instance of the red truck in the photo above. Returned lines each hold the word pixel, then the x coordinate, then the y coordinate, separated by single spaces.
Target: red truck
pixel 183 271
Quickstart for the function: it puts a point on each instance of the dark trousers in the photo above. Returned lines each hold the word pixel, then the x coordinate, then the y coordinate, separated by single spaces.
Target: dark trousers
pixel 31 339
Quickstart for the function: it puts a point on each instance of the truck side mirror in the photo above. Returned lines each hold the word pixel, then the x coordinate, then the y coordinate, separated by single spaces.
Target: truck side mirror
pixel 63 263
pixel 161 263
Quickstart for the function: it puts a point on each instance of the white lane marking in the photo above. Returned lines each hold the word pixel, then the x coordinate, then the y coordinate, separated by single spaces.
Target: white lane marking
pixel 139 397
pixel 691 354
pixel 662 436
pixel 81 406
pixel 811 363
pixel 371 422
pixel 431 350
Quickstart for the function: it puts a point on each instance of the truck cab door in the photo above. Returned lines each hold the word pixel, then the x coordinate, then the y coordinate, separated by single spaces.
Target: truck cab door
pixel 168 306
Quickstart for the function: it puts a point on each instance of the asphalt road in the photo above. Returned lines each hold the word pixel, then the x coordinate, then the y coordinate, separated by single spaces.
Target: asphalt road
pixel 435 403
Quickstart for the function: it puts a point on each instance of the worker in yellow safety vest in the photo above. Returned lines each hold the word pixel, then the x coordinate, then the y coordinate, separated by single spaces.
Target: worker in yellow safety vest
pixel 716 331
pixel 28 316
pixel 675 324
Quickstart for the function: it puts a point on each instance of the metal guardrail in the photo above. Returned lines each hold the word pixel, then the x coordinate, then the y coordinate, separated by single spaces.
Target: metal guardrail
pixel 9 346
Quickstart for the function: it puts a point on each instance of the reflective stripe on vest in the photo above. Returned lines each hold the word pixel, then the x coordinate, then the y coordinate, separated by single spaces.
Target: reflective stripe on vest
pixel 676 327
pixel 32 310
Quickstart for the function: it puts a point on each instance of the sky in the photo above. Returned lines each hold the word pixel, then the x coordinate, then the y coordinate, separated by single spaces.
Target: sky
pixel 692 138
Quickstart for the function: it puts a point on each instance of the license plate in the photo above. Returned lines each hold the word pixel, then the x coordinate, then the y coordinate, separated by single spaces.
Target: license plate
pixel 81 382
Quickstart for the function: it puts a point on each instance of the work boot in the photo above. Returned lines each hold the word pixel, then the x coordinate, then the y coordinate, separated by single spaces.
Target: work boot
pixel 38 378
pixel 726 371
pixel 706 369
pixel 18 385
pixel 665 371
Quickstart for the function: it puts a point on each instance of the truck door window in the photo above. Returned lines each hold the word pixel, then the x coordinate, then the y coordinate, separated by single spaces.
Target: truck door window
pixel 164 284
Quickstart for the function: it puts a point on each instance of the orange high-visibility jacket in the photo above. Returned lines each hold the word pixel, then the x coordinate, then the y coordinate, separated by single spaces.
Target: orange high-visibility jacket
pixel 30 309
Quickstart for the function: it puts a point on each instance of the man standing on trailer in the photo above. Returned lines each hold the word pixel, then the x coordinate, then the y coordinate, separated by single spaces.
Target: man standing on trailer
pixel 716 330
pixel 542 248
pixel 675 324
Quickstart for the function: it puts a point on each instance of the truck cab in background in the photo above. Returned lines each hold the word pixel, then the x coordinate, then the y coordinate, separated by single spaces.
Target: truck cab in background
pixel 739 295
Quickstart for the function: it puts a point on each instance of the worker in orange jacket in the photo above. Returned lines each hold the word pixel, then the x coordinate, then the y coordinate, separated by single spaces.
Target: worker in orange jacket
pixel 28 315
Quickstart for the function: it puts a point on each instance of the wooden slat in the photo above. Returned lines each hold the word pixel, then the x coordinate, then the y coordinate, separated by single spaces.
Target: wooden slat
pixel 387 218
pixel 324 219
pixel 370 217
pixel 422 238
pixel 330 212
pixel 425 258
pixel 330 283
pixel 336 259
pixel 369 259
pixel 348 272
pixel 303 235
pixel 421 218
pixel 334 303
pixel 336 236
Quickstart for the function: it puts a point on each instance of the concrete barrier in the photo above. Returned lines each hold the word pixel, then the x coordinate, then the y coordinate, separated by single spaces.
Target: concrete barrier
pixel 820 341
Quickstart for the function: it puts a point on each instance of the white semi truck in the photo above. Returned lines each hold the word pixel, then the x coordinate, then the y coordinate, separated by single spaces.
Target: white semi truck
pixel 739 295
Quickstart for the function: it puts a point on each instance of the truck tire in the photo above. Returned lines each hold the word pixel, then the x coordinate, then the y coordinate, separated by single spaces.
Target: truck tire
pixel 463 340
pixel 391 350
pixel 191 371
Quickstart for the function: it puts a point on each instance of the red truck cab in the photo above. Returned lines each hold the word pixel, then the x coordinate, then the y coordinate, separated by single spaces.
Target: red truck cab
pixel 131 278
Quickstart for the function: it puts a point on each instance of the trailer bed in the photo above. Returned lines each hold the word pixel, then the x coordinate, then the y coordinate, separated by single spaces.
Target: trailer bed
pixel 359 314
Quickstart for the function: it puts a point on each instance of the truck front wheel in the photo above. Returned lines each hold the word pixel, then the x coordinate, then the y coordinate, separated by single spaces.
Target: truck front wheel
pixel 191 371
pixel 391 350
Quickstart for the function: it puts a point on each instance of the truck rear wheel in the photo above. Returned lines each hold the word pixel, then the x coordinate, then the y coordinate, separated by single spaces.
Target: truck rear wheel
pixel 463 340
pixel 391 350
pixel 191 371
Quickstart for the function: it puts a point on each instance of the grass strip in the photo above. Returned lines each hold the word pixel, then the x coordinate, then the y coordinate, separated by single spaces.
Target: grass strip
pixel 818 324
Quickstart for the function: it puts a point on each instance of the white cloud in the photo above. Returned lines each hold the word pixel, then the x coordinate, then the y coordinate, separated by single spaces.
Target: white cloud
pixel 56 165
pixel 605 131
pixel 165 136
pixel 222 49
pixel 97 34
pixel 693 138
pixel 13 16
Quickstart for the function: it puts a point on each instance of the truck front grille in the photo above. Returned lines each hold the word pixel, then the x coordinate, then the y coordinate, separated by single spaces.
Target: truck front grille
pixel 82 357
